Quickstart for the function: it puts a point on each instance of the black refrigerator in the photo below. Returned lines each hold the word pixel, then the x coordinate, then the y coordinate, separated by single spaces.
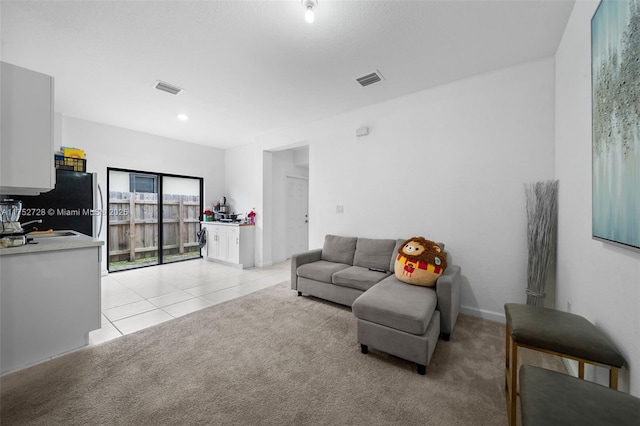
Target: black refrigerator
pixel 74 203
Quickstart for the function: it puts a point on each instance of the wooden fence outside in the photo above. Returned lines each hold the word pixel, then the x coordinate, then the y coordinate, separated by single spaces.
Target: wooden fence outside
pixel 133 225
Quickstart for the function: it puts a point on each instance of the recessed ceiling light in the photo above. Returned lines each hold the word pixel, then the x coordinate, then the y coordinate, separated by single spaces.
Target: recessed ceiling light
pixel 182 117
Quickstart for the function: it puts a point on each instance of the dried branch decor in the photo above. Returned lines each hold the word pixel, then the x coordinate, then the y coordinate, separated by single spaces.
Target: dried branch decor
pixel 542 219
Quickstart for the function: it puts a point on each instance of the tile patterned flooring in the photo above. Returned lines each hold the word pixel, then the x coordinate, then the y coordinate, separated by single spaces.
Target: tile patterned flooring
pixel 139 298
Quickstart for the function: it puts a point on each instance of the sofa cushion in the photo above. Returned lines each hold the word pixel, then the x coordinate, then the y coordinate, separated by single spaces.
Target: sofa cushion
pixel 339 249
pixel 358 278
pixel 397 305
pixel 392 262
pixel 373 253
pixel 320 270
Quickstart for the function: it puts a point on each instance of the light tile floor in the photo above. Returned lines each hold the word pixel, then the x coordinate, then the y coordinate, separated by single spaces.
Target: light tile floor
pixel 137 299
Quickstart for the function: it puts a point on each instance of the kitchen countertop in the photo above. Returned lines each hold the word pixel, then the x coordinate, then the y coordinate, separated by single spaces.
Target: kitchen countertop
pixel 52 243
pixel 215 222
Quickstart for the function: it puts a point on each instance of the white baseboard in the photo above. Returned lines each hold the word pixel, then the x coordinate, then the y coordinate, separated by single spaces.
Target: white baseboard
pixel 482 313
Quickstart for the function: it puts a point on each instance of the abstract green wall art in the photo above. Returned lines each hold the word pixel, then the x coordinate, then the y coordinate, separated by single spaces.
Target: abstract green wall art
pixel 615 80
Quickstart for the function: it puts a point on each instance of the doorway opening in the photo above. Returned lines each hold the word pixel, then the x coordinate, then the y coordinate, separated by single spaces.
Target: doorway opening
pixel 153 218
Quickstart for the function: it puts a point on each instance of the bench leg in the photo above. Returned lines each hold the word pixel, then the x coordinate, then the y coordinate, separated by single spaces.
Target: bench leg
pixel 422 369
pixel 364 349
pixel 514 383
pixel 613 378
pixel 506 359
pixel 510 375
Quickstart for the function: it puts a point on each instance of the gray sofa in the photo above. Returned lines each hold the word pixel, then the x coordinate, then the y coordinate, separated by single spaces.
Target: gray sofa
pixel 395 317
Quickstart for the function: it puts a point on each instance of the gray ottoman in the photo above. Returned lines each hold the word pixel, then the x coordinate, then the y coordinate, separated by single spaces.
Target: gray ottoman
pixel 399 319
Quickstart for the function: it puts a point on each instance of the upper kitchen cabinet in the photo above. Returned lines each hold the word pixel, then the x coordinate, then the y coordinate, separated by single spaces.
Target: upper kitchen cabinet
pixel 26 139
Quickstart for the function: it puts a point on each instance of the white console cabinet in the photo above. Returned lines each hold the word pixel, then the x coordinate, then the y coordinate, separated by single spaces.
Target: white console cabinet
pixel 26 139
pixel 231 244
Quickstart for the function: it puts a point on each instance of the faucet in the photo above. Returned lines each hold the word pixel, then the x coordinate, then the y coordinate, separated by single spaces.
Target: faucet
pixel 31 221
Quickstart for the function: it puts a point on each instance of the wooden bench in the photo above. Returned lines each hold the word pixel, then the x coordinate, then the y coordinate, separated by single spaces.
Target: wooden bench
pixel 558 333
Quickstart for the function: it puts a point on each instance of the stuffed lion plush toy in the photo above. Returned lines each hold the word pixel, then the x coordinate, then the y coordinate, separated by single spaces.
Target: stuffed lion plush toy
pixel 420 262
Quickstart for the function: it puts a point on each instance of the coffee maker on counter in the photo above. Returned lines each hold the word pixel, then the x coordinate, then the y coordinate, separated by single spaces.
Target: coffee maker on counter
pixel 222 211
pixel 12 233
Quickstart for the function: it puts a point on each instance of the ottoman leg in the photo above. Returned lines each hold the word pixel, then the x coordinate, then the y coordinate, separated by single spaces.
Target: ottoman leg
pixel 364 349
pixel 422 369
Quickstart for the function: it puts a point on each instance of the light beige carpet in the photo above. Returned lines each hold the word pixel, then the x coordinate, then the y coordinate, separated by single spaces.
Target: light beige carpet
pixel 269 358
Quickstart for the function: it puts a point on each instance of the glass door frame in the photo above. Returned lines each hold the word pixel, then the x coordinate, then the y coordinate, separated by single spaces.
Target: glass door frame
pixel 160 177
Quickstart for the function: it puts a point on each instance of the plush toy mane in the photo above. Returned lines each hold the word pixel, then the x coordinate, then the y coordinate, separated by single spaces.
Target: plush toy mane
pixel 432 250
pixel 420 262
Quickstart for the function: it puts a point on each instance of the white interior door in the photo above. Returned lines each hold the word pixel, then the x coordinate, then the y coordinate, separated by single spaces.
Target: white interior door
pixel 297 215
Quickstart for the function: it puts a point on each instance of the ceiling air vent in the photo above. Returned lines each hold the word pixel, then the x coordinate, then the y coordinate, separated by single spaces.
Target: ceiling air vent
pixel 368 79
pixel 166 87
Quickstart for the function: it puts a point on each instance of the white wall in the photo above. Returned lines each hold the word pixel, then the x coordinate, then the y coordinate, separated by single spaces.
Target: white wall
pixel 245 191
pixel 448 163
pixel 601 281
pixel 108 146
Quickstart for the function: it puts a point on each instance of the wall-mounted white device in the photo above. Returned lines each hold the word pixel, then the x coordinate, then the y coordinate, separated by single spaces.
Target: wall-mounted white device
pixel 362 131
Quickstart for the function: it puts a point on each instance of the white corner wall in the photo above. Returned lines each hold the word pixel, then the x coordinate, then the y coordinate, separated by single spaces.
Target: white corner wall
pixel 109 146
pixel 601 281
pixel 448 163
pixel 245 188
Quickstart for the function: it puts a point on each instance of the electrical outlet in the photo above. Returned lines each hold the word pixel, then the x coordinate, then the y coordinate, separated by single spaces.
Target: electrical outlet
pixel 339 208
pixel 569 306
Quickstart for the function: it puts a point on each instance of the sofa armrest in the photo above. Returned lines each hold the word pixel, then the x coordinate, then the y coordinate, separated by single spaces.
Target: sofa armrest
pixel 448 292
pixel 300 259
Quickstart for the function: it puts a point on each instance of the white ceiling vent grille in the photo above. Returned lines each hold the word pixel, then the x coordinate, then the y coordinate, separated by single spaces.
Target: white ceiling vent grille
pixel 166 87
pixel 368 79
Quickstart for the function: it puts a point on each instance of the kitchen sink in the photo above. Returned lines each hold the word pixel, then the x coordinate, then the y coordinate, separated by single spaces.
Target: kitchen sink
pixel 55 234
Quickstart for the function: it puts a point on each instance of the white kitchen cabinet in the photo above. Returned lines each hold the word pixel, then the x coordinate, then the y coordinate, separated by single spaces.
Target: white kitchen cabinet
pixel 217 242
pixel 231 244
pixel 26 139
pixel 50 298
pixel 233 241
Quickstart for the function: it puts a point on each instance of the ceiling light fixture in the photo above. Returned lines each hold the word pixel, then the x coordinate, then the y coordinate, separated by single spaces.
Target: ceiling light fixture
pixel 182 117
pixel 309 5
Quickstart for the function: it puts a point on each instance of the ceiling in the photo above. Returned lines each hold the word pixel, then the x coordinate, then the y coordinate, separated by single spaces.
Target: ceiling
pixel 253 67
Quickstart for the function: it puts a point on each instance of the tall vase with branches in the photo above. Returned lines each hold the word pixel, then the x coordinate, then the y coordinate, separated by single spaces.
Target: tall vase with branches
pixel 542 220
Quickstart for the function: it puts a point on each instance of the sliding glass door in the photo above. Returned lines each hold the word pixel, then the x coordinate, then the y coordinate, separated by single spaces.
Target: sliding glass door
pixel 181 209
pixel 153 218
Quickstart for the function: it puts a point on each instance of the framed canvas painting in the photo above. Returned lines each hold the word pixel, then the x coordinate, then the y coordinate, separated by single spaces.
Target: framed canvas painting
pixel 615 81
